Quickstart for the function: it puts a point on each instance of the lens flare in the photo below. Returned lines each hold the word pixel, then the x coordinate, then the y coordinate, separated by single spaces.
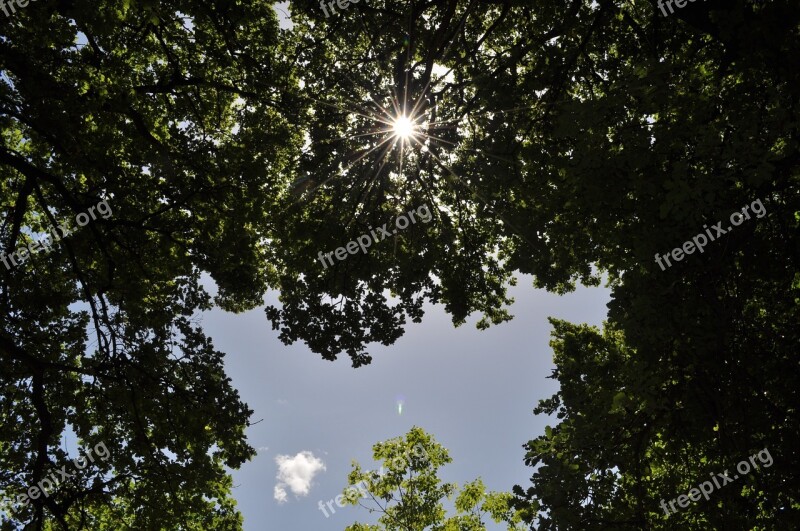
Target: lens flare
pixel 403 127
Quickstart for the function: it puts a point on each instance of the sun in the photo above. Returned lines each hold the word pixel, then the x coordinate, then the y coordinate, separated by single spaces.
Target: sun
pixel 403 127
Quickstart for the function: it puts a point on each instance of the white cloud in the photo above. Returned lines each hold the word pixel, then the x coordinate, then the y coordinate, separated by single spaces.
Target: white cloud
pixel 280 494
pixel 296 473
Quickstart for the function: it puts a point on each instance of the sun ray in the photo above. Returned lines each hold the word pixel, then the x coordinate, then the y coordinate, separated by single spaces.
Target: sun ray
pixel 384 141
pixel 406 129
pixel 402 154
pixel 444 122
pixel 345 109
pixel 382 108
pixel 383 157
pixel 453 176
pixel 454 144
pixel 359 135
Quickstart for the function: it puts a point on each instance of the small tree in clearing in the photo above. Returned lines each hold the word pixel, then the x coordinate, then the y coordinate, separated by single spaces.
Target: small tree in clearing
pixel 408 493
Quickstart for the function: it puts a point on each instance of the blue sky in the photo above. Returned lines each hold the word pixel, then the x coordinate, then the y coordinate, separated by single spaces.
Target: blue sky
pixel 473 390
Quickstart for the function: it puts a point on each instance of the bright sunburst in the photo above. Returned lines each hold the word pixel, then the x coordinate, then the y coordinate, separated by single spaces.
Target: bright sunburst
pixel 403 127
pixel 423 125
pixel 408 127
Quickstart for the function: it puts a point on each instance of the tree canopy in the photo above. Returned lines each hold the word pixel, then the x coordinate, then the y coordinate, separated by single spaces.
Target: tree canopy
pixel 572 140
pixel 176 114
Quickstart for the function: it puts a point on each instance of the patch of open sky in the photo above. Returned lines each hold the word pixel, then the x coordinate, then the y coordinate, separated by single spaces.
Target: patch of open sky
pixel 188 21
pixel 6 79
pixel 284 15
pixel 442 73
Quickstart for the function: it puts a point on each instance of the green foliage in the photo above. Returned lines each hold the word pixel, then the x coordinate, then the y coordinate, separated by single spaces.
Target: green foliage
pixel 667 126
pixel 170 111
pixel 408 493
pixel 577 140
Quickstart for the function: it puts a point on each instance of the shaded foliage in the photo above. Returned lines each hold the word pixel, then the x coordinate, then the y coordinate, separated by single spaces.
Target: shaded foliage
pixel 175 114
